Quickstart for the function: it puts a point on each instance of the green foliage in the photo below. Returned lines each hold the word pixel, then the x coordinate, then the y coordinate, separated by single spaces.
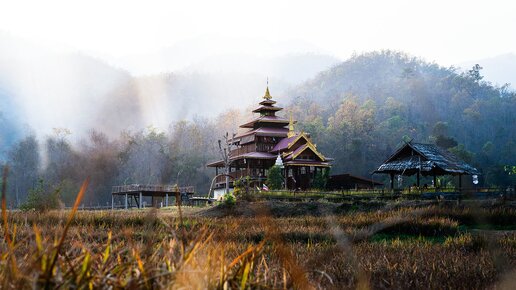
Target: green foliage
pixel 321 179
pixel 462 153
pixel 39 199
pixel 474 73
pixel 241 188
pixel 229 199
pixel 274 178
pixel 445 142
pixel 510 169
pixel 413 100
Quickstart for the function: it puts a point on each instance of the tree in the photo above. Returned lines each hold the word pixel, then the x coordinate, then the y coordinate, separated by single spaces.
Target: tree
pixel 24 162
pixel 462 153
pixel 445 142
pixel 145 158
pixel 321 179
pixel 474 73
pixel 41 199
pixel 274 178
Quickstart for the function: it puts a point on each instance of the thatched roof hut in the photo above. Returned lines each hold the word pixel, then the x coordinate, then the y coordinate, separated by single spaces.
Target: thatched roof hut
pixel 424 159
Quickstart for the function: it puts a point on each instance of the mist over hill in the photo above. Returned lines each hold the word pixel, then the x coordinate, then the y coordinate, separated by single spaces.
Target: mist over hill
pixel 499 70
pixel 44 89
pixel 357 111
pixel 50 89
pixel 362 109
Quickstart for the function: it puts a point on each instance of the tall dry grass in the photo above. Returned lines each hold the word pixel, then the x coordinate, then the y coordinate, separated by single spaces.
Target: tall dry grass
pixel 140 249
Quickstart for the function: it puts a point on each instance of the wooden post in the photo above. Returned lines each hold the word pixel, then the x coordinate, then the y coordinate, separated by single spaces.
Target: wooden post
pixel 140 202
pixel 418 179
pixel 178 198
pixel 460 183
pixel 112 202
pixel 166 199
pixel 286 178
pixel 125 204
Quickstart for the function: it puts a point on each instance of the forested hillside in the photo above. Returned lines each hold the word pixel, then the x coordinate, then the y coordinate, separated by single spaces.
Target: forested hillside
pixel 358 112
pixel 361 110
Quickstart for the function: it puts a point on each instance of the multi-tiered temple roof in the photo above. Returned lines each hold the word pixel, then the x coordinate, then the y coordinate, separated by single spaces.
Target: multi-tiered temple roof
pixel 269 136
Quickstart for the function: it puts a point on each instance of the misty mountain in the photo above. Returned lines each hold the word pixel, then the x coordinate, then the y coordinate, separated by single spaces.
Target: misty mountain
pixel 288 61
pixel 9 126
pixel 50 89
pixel 362 109
pixel 290 68
pixel 499 70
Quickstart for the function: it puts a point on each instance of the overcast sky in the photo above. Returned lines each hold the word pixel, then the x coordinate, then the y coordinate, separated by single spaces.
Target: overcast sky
pixel 447 32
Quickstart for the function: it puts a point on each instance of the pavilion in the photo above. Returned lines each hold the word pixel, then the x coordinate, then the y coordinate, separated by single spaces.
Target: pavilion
pixel 424 160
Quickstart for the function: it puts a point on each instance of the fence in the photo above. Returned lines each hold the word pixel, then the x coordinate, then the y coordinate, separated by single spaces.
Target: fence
pixel 151 188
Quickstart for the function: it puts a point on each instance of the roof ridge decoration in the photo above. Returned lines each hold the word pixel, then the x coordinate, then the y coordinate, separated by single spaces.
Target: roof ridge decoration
pixel 291 131
pixel 267 95
pixel 302 134
pixel 314 150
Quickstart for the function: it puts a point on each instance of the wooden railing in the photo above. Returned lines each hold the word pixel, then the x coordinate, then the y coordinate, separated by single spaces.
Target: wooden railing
pixel 244 149
pixel 235 175
pixel 151 187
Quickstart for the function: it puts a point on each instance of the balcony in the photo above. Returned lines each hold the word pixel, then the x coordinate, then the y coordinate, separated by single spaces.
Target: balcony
pixel 238 174
pixel 244 149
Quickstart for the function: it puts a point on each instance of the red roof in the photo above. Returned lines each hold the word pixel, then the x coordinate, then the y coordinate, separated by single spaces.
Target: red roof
pixel 250 155
pixel 273 132
pixel 267 102
pixel 283 144
pixel 265 119
pixel 266 108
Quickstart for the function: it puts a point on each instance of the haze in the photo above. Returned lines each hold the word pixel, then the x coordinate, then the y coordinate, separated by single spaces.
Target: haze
pixel 448 32
pixel 115 65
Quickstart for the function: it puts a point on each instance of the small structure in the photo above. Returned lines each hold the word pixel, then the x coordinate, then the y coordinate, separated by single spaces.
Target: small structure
pixel 426 160
pixel 160 194
pixel 265 139
pixel 348 181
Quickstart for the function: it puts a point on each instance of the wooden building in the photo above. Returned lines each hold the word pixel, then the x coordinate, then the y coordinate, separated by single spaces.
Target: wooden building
pixel 348 181
pixel 424 160
pixel 268 138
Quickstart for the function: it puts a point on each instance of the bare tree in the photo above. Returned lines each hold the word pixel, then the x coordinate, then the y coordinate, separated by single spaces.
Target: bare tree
pixel 225 153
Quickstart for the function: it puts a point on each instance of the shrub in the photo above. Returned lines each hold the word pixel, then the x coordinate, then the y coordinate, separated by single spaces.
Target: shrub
pixel 229 199
pixel 321 179
pixel 241 189
pixel 274 178
pixel 38 198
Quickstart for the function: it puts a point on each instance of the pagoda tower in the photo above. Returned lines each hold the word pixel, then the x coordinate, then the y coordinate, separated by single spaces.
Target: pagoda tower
pixel 265 138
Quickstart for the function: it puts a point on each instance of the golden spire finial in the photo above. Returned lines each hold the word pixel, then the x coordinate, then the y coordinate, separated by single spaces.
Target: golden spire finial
pixel 291 132
pixel 267 95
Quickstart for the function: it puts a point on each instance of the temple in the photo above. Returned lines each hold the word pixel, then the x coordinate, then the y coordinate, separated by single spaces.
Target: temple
pixel 268 140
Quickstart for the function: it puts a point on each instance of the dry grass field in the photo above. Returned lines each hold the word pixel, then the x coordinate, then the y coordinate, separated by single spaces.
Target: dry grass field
pixel 263 245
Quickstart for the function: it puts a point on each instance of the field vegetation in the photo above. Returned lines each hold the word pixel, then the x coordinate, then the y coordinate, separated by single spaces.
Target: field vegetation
pixel 263 245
